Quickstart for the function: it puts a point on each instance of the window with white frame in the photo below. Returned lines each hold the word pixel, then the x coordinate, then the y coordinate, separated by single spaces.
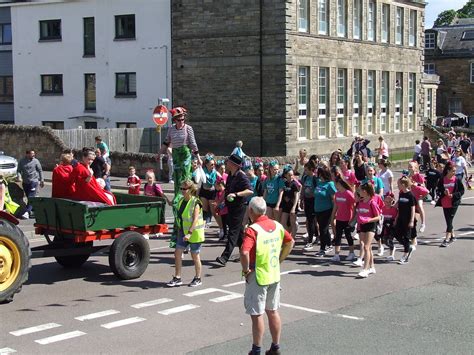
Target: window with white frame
pixel 341 100
pixel 429 103
pixel 303 15
pixel 384 99
pixel 472 73
pixel 399 26
pixel 398 100
pixel 323 16
pixel 430 68
pixel 454 105
pixel 356 101
pixel 430 40
pixel 385 23
pixel 323 102
pixel 303 91
pixel 357 19
pixel 412 28
pixel 341 18
pixel 370 99
pixel 371 20
pixel 411 100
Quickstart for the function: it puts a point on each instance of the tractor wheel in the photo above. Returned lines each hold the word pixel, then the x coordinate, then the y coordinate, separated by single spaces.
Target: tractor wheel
pixel 15 263
pixel 129 255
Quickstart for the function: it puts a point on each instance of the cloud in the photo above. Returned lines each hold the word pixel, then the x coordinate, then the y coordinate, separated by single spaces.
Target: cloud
pixel 434 7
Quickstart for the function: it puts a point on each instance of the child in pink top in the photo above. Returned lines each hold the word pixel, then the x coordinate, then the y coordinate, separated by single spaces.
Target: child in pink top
pixel 152 188
pixel 448 184
pixel 347 173
pixel 417 180
pixel 221 208
pixel 133 182
pixel 342 212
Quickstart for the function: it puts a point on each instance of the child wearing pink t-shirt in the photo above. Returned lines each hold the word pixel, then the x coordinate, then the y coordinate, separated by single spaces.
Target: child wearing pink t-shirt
pixel 347 173
pixel 342 214
pixel 221 209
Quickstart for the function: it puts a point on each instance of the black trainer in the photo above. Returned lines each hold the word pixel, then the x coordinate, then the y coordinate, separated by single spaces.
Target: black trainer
pixel 176 281
pixel 221 261
pixel 444 244
pixel 196 282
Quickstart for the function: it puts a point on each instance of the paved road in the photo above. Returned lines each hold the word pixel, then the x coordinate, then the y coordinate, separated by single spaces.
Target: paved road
pixel 422 307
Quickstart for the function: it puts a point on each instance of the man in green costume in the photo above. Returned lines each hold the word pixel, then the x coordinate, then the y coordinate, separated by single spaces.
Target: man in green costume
pixel 181 138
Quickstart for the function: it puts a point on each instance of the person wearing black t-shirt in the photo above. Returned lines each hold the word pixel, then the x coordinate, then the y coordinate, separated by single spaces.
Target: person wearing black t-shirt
pixel 406 217
pixel 288 200
pixel 433 174
pixel 360 168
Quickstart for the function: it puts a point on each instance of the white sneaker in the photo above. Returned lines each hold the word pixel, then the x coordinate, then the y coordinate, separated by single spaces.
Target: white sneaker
pixel 372 271
pixel 171 182
pixel 308 247
pixel 433 202
pixel 146 236
pixel 350 257
pixel 305 236
pixel 159 235
pixel 364 274
pixel 381 251
pixel 221 233
pixel 358 262
pixel 390 258
pixel 25 215
pixel 336 258
pixel 355 236
pixel 422 228
pixel 403 260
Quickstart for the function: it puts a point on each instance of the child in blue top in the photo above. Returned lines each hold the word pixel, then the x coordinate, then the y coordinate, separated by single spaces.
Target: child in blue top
pixel 378 184
pixel 271 189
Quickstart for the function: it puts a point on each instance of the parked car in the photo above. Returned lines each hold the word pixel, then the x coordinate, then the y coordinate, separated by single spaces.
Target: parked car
pixel 8 165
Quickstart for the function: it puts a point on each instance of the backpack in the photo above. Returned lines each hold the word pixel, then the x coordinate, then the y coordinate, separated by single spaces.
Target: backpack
pixel 315 181
pixel 379 228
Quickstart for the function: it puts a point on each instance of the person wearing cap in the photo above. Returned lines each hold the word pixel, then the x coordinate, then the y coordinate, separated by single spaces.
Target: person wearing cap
pixel 237 188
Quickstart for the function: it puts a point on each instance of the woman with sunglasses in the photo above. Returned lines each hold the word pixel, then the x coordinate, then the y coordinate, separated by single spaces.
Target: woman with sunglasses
pixel 207 192
pixel 190 232
pixel 450 190
pixel 271 190
pixel 347 174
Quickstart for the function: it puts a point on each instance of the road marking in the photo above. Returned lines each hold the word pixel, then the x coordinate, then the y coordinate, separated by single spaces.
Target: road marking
pixel 234 284
pixel 317 265
pixel 158 248
pixel 38 328
pixel 349 317
pixel 60 337
pixel 203 292
pixel 151 303
pixel 179 309
pixel 97 315
pixel 121 323
pixel 290 272
pixel 303 308
pixel 5 351
pixel 467 233
pixel 467 198
pixel 230 297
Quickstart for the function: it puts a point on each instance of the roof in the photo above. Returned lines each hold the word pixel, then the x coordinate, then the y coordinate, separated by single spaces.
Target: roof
pixel 457 114
pixel 455 40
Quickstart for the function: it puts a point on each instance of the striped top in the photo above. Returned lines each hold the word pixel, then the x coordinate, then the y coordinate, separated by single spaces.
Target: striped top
pixel 180 137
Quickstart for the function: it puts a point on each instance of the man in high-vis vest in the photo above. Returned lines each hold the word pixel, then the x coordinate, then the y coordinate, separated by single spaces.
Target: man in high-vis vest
pixel 266 244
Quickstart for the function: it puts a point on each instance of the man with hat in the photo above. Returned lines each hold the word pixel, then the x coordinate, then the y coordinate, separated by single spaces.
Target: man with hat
pixel 237 188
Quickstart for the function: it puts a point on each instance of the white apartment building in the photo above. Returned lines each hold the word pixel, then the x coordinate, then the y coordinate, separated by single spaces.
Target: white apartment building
pixel 90 63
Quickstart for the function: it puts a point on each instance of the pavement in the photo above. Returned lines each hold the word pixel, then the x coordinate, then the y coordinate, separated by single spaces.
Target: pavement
pixel 424 307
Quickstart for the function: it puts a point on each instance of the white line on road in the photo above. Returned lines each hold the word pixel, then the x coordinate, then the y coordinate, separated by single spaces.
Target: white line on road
pixel 317 265
pixel 467 233
pixel 203 292
pixel 158 248
pixel 179 309
pixel 234 284
pixel 97 315
pixel 303 308
pixel 230 297
pixel 349 317
pixel 151 303
pixel 5 351
pixel 121 323
pixel 290 272
pixel 38 328
pixel 467 198
pixel 60 337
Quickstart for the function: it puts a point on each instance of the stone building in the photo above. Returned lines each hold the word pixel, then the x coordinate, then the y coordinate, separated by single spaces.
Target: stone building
pixel 285 75
pixel 449 52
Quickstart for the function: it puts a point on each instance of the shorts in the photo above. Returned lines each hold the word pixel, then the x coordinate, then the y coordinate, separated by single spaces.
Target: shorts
pixel 181 244
pixel 287 206
pixel 258 299
pixel 208 194
pixel 271 205
pixel 368 227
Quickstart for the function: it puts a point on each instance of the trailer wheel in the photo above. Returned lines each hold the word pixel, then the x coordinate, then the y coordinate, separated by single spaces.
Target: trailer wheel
pixel 72 261
pixel 129 255
pixel 15 260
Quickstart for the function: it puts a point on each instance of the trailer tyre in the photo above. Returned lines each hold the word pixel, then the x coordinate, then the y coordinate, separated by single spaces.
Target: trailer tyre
pixel 15 260
pixel 72 261
pixel 129 255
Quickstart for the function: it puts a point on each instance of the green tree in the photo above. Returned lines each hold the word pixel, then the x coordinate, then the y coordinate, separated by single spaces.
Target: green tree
pixel 446 17
pixel 467 11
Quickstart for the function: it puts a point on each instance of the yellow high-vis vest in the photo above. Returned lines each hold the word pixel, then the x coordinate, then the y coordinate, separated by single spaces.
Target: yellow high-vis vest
pixel 197 235
pixel 268 248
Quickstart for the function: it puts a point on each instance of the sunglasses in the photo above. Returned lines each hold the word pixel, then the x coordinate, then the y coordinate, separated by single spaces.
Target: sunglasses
pixel 179 119
pixel 184 188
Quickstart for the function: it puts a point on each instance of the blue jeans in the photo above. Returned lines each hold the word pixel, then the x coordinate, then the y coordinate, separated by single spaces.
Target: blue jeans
pixel 31 190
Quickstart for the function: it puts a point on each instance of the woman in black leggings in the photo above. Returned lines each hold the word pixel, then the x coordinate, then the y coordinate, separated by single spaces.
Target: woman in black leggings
pixel 450 190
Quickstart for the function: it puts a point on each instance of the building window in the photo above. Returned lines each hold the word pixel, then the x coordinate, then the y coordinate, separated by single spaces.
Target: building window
pixel 52 84
pixel 430 68
pixel 323 102
pixel 357 101
pixel 357 19
pixel 89 37
pixel 6 89
pixel 89 92
pixel 125 27
pixel 126 125
pixel 399 26
pixel 341 18
pixel 472 73
pixel 467 35
pixel 385 23
pixel 384 98
pixel 126 84
pixel 430 40
pixel 50 30
pixel 454 106
pixel 370 99
pixel 341 100
pixel 411 100
pixel 303 91
pixel 429 104
pixel 323 15
pixel 90 125
pixel 398 100
pixel 53 124
pixel 371 21
pixel 6 33
pixel 412 28
pixel 303 18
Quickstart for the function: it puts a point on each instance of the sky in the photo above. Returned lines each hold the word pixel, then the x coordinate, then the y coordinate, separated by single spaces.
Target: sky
pixel 434 7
